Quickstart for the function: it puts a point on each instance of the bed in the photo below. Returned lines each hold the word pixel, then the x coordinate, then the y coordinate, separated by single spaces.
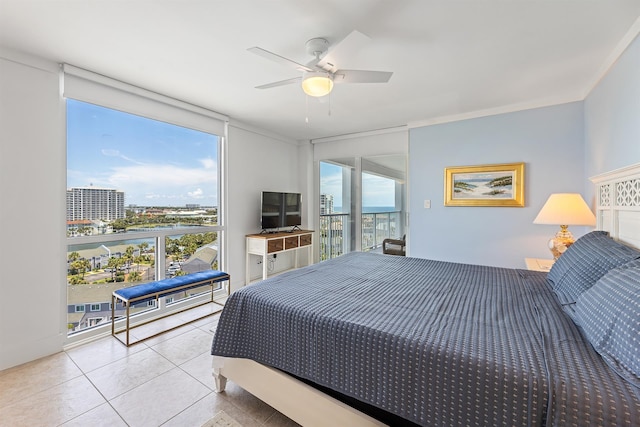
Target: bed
pixel 370 339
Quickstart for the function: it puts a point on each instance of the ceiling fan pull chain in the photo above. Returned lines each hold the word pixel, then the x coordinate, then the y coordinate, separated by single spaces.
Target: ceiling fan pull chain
pixel 306 113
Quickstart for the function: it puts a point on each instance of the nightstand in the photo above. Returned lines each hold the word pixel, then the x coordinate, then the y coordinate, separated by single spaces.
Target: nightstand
pixel 539 264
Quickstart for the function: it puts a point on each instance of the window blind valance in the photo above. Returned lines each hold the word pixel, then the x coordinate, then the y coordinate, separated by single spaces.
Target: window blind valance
pixel 93 88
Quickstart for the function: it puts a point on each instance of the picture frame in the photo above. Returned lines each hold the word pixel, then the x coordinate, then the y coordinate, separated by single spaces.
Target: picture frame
pixel 485 185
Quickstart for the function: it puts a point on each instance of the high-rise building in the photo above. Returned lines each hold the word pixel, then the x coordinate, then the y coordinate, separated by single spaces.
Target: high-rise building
pixel 326 204
pixel 94 203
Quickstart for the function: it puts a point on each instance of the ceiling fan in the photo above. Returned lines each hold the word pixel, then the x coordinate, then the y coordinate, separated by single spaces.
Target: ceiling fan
pixel 320 74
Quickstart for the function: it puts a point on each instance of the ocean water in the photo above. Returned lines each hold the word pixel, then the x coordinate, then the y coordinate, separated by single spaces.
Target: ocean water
pixel 375 209
pixel 369 209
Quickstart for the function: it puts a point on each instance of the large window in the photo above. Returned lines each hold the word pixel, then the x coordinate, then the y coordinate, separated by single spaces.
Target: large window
pixel 117 159
pixel 143 197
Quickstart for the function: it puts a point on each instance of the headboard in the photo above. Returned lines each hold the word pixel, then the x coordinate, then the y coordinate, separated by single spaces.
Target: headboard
pixel 618 204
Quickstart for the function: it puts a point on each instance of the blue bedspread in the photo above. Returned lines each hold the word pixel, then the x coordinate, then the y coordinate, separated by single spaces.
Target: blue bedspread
pixel 433 342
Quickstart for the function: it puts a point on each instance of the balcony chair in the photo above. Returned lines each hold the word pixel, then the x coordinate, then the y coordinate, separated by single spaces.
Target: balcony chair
pixel 395 246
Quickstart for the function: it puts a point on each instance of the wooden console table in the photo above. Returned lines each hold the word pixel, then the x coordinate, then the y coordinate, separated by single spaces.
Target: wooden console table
pixel 266 244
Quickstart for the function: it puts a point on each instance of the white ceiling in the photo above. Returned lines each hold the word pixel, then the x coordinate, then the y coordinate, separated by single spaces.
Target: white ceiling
pixel 450 58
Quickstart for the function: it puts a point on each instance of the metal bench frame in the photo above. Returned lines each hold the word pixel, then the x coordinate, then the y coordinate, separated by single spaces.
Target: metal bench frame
pixel 127 302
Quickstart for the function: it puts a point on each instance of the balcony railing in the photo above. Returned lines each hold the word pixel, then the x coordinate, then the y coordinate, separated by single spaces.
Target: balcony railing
pixel 379 226
pixel 98 265
pixel 335 232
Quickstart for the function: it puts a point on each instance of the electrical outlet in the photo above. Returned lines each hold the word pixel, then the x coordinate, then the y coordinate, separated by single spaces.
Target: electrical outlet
pixel 427 204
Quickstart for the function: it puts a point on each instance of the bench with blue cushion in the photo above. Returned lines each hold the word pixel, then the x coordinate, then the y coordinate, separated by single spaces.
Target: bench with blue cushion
pixel 158 289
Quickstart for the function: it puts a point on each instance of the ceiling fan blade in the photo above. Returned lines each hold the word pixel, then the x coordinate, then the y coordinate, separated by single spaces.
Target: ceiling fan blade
pixel 280 83
pixel 279 59
pixel 361 76
pixel 342 50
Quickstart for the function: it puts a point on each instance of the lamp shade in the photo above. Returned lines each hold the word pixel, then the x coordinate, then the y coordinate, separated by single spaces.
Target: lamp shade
pixel 565 209
pixel 316 83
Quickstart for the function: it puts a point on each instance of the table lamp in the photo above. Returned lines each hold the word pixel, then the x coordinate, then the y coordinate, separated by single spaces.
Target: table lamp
pixel 564 209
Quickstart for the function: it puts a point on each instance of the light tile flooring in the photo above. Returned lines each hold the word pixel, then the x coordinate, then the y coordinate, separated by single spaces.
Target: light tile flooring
pixel 163 381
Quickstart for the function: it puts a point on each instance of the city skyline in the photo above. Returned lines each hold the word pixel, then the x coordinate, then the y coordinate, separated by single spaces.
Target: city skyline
pixel 154 163
pixel 158 206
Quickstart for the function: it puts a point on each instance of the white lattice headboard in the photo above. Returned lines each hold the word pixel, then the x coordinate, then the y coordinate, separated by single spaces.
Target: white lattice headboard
pixel 618 204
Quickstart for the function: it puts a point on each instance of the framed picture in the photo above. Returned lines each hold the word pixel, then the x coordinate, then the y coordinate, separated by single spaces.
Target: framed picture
pixel 485 185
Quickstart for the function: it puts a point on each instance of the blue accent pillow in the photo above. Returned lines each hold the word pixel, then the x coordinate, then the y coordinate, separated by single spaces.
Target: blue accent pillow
pixel 609 315
pixel 586 261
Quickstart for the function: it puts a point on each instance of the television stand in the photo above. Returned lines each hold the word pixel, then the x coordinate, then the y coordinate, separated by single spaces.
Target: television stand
pixel 277 230
pixel 265 231
pixel 266 244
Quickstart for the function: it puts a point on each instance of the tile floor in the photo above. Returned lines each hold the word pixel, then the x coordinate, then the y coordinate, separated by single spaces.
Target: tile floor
pixel 163 381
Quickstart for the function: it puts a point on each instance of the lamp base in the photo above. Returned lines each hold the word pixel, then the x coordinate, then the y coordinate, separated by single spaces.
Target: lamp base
pixel 561 242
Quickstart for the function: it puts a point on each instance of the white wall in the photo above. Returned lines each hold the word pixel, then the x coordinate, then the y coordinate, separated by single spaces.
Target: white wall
pixel 310 199
pixel 33 179
pixel 612 117
pixel 549 141
pixel 256 163
pixel 365 144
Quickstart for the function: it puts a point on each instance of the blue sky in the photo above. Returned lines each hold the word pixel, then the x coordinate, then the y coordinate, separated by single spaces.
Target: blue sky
pixel 376 191
pixel 154 163
pixel 160 164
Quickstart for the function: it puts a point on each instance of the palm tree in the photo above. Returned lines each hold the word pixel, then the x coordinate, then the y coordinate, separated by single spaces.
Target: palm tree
pixel 72 258
pixel 137 261
pixel 81 266
pixel 143 247
pixel 113 265
pixel 127 258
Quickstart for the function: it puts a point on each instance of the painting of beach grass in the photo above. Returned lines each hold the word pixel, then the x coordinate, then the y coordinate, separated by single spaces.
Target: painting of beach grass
pixel 486 185
pixel 496 185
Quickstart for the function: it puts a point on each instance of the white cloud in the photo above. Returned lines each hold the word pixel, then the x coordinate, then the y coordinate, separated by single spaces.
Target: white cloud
pixel 332 184
pixel 165 184
pixel 159 176
pixel 197 194
pixel 208 163
pixel 116 153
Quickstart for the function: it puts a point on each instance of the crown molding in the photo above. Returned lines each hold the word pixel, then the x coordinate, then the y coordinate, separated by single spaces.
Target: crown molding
pixel 617 52
pixel 29 60
pixel 402 128
pixel 493 111
pixel 263 132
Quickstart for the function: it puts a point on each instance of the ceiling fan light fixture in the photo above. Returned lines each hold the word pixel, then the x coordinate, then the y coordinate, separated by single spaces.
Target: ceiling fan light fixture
pixel 317 83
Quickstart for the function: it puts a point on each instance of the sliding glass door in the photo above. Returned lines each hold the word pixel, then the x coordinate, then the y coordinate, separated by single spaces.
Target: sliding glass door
pixel 337 208
pixel 362 202
pixel 383 200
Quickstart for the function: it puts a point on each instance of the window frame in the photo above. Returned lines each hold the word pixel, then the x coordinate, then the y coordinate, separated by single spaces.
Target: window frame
pixel 85 86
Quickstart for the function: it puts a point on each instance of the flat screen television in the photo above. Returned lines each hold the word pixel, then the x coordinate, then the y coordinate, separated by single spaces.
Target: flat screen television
pixel 280 209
